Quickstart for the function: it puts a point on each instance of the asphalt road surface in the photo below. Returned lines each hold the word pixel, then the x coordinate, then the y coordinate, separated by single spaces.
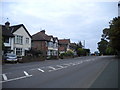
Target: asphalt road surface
pixel 80 72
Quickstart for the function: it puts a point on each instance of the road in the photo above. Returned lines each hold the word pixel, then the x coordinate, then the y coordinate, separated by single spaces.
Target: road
pixel 80 72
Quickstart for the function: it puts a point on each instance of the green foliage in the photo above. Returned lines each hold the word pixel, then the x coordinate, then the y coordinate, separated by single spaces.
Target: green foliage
pixel 79 45
pixel 80 51
pixel 113 35
pixel 110 51
pixel 102 46
pixel 69 53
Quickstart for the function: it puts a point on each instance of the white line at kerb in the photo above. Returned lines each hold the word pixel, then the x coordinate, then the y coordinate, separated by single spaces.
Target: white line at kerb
pixel 15 79
pixel 4 77
pixel 41 70
pixel 26 73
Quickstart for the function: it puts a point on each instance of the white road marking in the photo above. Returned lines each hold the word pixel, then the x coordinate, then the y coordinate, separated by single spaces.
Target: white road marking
pixel 67 64
pixel 4 77
pixel 52 67
pixel 73 64
pixel 16 78
pixel 60 66
pixel 41 70
pixel 26 73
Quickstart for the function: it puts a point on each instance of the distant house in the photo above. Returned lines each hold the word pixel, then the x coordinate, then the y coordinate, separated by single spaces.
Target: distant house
pixel 73 47
pixel 64 45
pixel 48 45
pixel 16 39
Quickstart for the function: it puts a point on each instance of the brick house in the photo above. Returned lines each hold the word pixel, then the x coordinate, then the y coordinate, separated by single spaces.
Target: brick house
pixel 64 45
pixel 16 39
pixel 48 45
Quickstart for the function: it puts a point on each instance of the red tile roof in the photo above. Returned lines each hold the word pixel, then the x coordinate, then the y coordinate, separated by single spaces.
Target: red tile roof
pixel 64 41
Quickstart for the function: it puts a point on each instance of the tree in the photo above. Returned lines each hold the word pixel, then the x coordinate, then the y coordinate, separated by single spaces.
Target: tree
pixel 102 46
pixel 113 35
pixel 109 51
pixel 80 51
pixel 79 45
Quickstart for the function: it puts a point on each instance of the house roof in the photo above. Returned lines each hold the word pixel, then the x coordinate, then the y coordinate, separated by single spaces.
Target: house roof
pixel 55 38
pixel 16 27
pixel 40 36
pixel 73 44
pixel 64 41
pixel 12 29
pixel 6 32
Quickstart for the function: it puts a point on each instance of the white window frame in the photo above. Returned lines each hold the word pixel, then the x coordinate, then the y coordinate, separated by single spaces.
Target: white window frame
pixel 27 40
pixel 18 51
pixel 18 39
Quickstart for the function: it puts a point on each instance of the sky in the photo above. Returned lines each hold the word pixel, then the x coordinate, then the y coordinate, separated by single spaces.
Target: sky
pixel 76 20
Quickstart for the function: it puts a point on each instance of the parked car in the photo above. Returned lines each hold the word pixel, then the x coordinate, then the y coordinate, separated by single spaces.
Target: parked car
pixel 9 57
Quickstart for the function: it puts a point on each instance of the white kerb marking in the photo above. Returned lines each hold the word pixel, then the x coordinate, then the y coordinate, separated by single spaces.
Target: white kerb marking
pixel 26 73
pixel 4 77
pixel 15 79
pixel 41 70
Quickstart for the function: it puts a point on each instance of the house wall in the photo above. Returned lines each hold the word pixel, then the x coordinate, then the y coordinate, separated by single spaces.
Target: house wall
pixel 21 31
pixel 40 45
pixel 52 48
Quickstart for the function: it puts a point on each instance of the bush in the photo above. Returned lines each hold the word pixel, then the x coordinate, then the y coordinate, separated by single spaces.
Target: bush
pixel 80 51
pixel 69 53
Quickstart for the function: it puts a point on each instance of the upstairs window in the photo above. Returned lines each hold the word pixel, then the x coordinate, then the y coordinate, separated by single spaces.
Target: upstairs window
pixel 18 39
pixel 27 40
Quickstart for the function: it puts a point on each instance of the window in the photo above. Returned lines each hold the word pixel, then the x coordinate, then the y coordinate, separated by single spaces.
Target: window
pixel 18 51
pixel 18 39
pixel 50 44
pixel 27 40
pixel 6 40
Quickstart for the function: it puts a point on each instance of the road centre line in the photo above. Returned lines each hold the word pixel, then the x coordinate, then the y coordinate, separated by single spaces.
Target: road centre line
pixel 15 79
pixel 4 77
pixel 41 70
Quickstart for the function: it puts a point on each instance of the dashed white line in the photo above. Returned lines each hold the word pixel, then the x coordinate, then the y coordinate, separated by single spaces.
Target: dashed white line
pixel 41 70
pixel 60 66
pixel 4 77
pixel 67 64
pixel 26 73
pixel 52 67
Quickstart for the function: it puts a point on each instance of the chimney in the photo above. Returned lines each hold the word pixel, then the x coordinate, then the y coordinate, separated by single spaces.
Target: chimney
pixel 43 31
pixel 7 24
